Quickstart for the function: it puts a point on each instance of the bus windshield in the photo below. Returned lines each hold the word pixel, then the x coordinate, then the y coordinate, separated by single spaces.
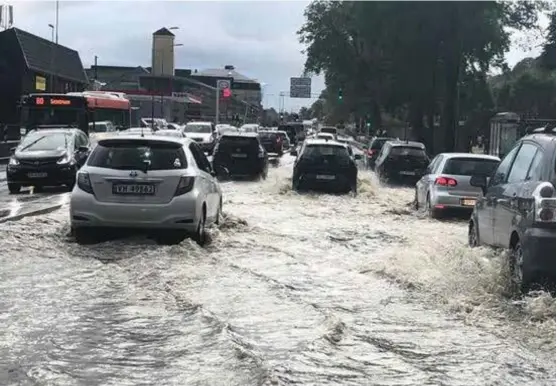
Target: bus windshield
pixel 35 116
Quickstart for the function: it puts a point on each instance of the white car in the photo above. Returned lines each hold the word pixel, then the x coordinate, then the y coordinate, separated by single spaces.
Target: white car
pixel 325 136
pixel 203 133
pixel 151 182
pixel 250 128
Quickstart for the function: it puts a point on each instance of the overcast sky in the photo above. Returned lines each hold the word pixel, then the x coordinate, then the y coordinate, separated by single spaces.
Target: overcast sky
pixel 257 37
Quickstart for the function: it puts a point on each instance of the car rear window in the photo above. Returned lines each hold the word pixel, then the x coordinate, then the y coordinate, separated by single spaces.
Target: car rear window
pixel 315 152
pixel 237 141
pixel 330 130
pixel 377 143
pixel 404 151
pixel 133 155
pixel 266 135
pixel 470 167
pixel 283 136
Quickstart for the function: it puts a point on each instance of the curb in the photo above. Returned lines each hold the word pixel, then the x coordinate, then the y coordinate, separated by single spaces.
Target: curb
pixel 35 212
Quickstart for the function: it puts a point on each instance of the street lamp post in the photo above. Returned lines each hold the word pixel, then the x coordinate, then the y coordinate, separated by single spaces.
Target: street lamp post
pixel 51 78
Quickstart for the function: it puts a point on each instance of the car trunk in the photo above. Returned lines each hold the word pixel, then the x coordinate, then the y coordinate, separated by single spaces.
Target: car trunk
pixel 326 169
pixel 462 169
pixel 238 155
pixel 136 172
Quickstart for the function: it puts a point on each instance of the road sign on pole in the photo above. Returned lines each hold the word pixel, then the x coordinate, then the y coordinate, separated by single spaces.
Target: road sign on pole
pixel 300 87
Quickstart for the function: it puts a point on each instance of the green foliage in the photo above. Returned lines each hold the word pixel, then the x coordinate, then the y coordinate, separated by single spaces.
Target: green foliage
pixel 410 59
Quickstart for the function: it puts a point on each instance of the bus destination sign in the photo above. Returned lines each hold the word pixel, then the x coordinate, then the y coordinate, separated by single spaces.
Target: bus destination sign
pixel 48 101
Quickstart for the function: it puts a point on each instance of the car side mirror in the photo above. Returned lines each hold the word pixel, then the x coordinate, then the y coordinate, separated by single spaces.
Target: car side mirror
pixel 479 182
pixel 82 149
pixel 357 156
pixel 12 150
pixel 294 152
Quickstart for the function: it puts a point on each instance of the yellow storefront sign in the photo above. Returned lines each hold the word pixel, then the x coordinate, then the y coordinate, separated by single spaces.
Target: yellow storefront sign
pixel 40 83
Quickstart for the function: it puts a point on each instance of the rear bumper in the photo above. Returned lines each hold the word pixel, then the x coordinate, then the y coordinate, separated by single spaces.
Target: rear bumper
pixel 181 213
pixel 245 168
pixel 275 149
pixel 57 175
pixel 539 253
pixel 451 201
pixel 314 181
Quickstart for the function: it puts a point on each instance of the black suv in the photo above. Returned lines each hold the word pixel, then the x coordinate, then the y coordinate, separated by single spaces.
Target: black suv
pixel 240 155
pixel 401 161
pixel 518 210
pixel 47 157
pixel 325 165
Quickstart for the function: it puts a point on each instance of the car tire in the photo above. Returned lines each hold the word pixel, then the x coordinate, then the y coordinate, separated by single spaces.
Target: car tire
pixel 200 236
pixel 473 235
pixel 431 211
pixel 83 236
pixel 520 283
pixel 14 188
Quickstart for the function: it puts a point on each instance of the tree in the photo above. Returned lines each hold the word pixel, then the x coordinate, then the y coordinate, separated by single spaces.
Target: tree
pixel 548 55
pixel 412 57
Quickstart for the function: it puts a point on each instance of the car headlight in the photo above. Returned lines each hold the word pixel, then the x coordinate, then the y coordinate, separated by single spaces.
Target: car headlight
pixel 13 161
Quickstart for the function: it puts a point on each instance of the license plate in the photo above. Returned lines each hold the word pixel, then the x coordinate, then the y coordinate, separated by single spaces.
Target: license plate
pixel 324 177
pixel 133 189
pixel 238 155
pixel 37 175
pixel 468 202
pixel 408 173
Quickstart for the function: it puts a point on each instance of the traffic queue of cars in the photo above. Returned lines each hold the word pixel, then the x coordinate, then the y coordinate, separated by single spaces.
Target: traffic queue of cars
pixel 162 179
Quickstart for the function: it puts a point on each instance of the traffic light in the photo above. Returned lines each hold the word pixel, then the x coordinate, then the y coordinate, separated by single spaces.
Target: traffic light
pixel 226 93
pixel 340 96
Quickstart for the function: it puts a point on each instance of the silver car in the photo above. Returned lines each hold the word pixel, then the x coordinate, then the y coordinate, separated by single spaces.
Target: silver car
pixel 446 184
pixel 150 182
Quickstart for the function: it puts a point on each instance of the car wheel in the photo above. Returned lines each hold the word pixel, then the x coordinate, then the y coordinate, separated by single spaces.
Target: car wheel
pixel 431 211
pixel 473 235
pixel 200 236
pixel 83 235
pixel 14 188
pixel 519 282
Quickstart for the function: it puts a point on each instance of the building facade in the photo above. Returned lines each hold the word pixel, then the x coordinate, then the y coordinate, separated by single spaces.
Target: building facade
pixel 31 64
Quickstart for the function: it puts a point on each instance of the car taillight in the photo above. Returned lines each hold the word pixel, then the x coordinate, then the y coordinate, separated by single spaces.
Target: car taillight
pixel 544 203
pixel 371 152
pixel 279 140
pixel 84 182
pixel 185 185
pixel 445 181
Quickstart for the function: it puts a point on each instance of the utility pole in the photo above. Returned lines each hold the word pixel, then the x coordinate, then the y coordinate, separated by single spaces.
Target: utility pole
pixel 57 13
pixel 51 77
pixel 217 97
pixel 96 78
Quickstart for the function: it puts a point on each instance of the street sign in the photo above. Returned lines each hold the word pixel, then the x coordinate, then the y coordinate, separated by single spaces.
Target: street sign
pixel 222 84
pixel 300 87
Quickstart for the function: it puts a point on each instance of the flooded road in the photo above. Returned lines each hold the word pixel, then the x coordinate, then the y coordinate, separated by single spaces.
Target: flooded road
pixel 293 290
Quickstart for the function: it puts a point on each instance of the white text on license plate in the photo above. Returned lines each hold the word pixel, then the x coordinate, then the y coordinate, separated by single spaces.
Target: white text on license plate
pixel 134 189
pixel 37 175
pixel 239 155
pixel 468 202
pixel 324 177
pixel 408 173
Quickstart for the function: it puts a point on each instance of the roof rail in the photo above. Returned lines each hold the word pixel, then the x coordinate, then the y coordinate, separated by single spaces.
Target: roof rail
pixel 547 129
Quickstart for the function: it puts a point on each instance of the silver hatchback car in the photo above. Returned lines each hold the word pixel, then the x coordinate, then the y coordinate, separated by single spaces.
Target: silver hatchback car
pixel 446 184
pixel 150 182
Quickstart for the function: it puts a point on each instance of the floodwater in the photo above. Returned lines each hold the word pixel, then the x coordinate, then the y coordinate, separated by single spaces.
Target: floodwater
pixel 293 290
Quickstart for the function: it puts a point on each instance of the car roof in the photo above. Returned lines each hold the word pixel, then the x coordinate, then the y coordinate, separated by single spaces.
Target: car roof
pixel 470 155
pixel 169 131
pixel 55 130
pixel 150 137
pixel 417 145
pixel 199 123
pixel 544 139
pixel 240 134
pixel 383 139
pixel 319 141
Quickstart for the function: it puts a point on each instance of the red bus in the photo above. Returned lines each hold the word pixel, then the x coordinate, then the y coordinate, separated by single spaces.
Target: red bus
pixel 76 109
